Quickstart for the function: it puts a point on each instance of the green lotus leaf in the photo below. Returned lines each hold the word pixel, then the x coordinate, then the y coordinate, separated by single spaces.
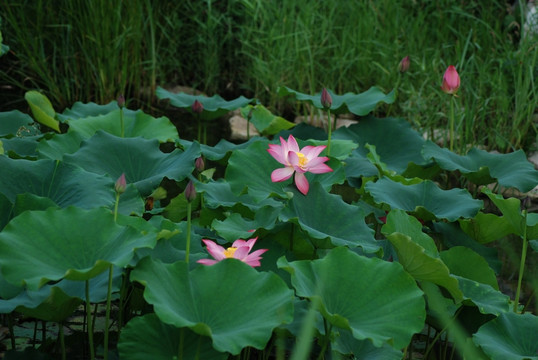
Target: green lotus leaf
pixel 219 193
pixel 6 208
pixel 511 210
pixel 12 122
pixel 42 109
pixel 214 107
pixel 487 227
pixel 399 221
pixel 358 104
pixel 424 267
pixel 340 149
pixel 146 337
pixel 141 160
pixel 534 245
pixel 82 110
pixel 236 227
pixel 264 121
pixel 21 147
pixel 323 215
pixel 71 243
pixel 509 336
pixel 486 298
pixel 136 124
pixel 60 144
pixel 221 149
pixel 464 262
pixel 63 184
pixel 206 300
pixel 386 135
pixel 375 299
pixel 482 167
pixel 346 344
pixel 451 235
pixel 428 200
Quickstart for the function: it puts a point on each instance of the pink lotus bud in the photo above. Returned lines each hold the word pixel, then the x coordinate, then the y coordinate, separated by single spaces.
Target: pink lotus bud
pixel 190 192
pixel 404 64
pixel 451 80
pixel 197 107
pixel 121 101
pixel 326 100
pixel 199 164
pixel 121 184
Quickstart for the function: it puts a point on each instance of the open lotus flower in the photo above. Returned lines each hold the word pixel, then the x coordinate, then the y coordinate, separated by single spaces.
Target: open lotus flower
pixel 240 250
pixel 451 80
pixel 298 162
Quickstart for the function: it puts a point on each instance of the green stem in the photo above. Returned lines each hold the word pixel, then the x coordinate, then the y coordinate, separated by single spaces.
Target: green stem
pixel 330 131
pixel 116 206
pixel 62 339
pixel 107 314
pixel 11 332
pixel 326 340
pixel 451 123
pixel 89 320
pixel 521 263
pixel 199 129
pixel 188 247
pixel 123 289
pixel 181 341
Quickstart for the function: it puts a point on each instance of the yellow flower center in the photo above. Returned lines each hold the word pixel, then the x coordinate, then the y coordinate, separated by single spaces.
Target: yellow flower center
pixel 229 253
pixel 302 159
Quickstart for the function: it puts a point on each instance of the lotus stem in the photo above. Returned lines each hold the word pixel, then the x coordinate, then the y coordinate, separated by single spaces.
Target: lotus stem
pixel 122 125
pixel 181 342
pixel 330 132
pixel 62 339
pixel 89 321
pixel 188 247
pixel 451 123
pixel 116 207
pixel 107 314
pixel 521 263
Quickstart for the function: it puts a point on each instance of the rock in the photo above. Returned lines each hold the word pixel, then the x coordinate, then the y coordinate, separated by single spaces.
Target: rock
pixel 238 127
pixel 321 121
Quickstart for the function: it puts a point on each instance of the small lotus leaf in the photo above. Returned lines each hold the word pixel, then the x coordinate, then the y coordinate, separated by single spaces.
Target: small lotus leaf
pixel 482 167
pixel 12 122
pixel 70 243
pixel 42 109
pixel 146 337
pixel 206 300
pixel 323 215
pixel 399 221
pixel 464 262
pixel 264 121
pixel 358 104
pixel 346 344
pixel 442 204
pixel 214 107
pixel 375 299
pixel 486 298
pixel 509 336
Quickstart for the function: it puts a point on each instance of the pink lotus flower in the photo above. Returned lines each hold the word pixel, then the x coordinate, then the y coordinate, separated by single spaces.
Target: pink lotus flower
pixel 298 162
pixel 240 250
pixel 451 80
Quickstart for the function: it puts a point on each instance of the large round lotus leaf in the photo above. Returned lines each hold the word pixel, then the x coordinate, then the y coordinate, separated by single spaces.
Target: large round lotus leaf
pixel 146 337
pixel 63 184
pixel 487 299
pixel 60 144
pixel 464 262
pixel 214 107
pixel 375 299
pixel 358 104
pixel 71 243
pixel 510 336
pixel 81 110
pixel 426 198
pixel 135 124
pixel 422 266
pixel 482 167
pixel 230 301
pixel 252 168
pixel 386 135
pixel 141 160
pixel 325 215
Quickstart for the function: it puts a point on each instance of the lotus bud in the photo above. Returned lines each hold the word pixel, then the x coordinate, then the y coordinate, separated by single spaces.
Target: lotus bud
pixel 190 192
pixel 451 80
pixel 404 64
pixel 121 184
pixel 199 164
pixel 197 107
pixel 326 100
pixel 121 101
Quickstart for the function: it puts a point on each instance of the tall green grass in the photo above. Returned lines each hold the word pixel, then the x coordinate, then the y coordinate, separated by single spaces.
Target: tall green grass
pixel 91 51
